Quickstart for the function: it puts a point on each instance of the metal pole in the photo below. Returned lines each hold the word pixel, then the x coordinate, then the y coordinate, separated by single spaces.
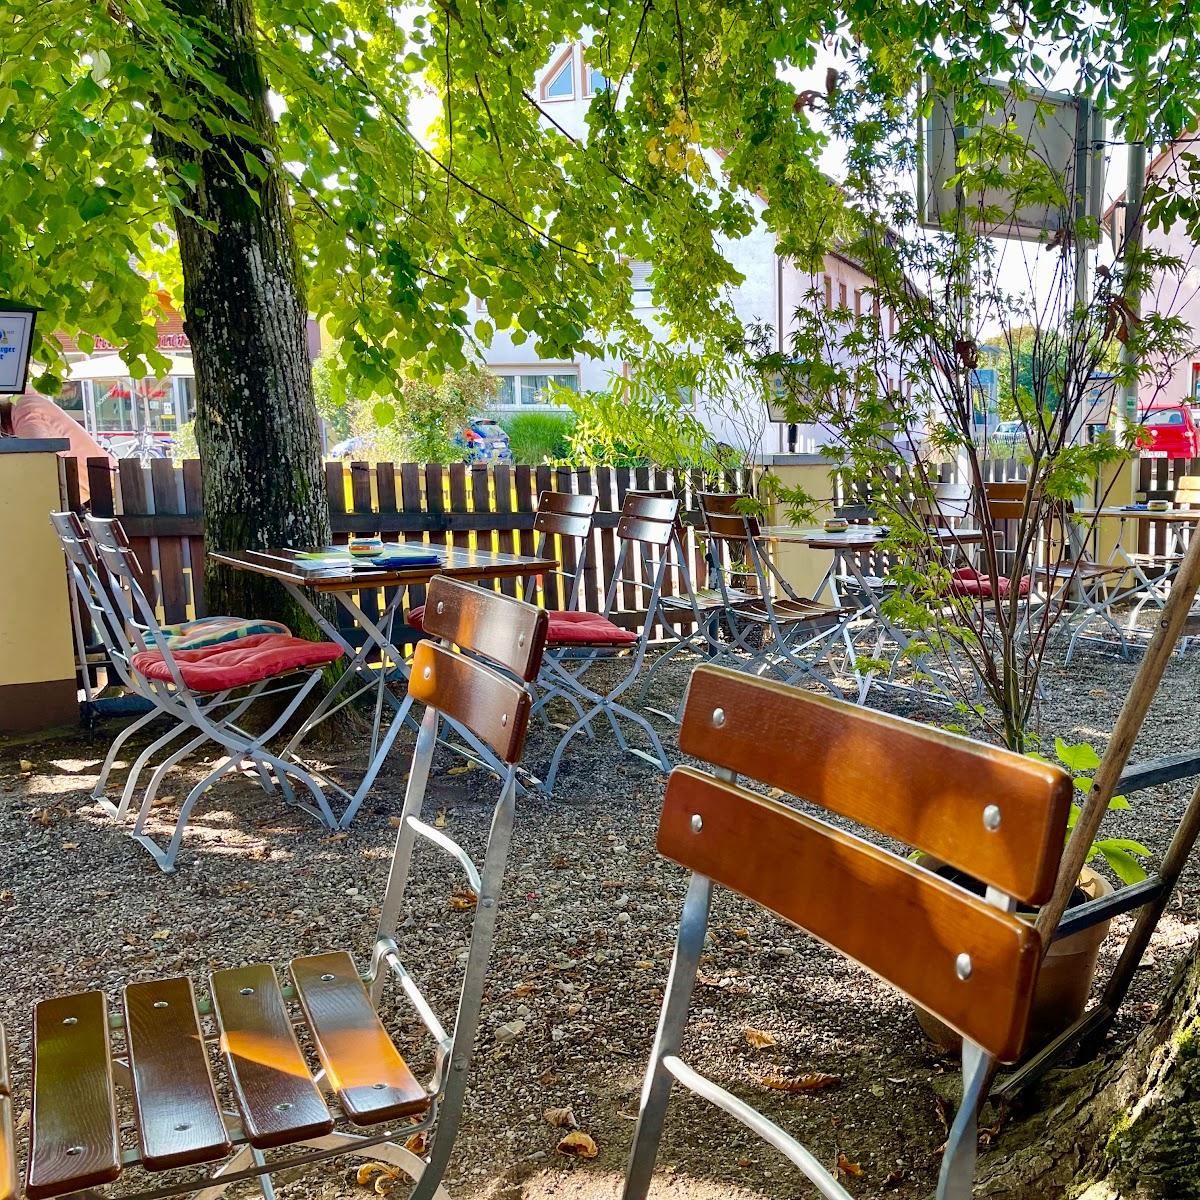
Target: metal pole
pixel 1135 186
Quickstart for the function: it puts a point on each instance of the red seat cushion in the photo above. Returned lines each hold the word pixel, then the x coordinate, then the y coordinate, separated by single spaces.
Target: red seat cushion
pixel 238 664
pixel 585 628
pixel 967 581
pixel 416 616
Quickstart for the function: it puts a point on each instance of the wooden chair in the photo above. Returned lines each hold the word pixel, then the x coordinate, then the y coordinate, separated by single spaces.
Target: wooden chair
pixel 284 1115
pixel 578 640
pixel 794 633
pixel 967 958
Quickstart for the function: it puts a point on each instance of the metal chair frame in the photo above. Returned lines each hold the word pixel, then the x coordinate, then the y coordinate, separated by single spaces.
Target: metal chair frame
pixel 452 1051
pixel 564 666
pixel 720 700
pixel 131 621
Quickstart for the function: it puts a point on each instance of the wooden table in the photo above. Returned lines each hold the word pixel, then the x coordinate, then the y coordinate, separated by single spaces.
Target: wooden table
pixel 301 578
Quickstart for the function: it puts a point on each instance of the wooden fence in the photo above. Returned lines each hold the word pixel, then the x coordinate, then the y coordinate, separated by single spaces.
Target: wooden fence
pixel 490 506
pixel 1157 478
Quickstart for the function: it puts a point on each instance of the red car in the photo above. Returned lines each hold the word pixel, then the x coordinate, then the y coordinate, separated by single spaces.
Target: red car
pixel 1170 432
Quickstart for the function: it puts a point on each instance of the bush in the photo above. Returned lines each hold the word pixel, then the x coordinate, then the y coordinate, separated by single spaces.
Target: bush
pixel 535 437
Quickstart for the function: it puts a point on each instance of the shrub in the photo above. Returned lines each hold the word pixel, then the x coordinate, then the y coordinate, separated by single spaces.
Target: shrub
pixel 535 437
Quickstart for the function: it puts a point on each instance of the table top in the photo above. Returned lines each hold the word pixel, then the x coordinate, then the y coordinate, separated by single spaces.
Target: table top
pixel 857 537
pixel 1179 515
pixel 457 562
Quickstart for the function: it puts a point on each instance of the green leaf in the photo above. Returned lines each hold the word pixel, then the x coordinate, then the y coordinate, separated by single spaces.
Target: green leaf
pixel 384 413
pixel 1118 802
pixel 93 206
pixel 1080 757
pixel 1121 862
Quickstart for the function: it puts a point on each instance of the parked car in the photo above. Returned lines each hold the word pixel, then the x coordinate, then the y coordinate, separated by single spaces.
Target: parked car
pixel 1009 436
pixel 1170 432
pixel 484 441
pixel 349 447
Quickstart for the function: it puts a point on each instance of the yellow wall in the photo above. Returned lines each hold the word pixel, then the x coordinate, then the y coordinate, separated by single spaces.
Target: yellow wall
pixel 801 567
pixel 35 617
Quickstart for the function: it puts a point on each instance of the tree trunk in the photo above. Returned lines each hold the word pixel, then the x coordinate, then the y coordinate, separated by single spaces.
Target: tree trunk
pixel 1126 1127
pixel 246 317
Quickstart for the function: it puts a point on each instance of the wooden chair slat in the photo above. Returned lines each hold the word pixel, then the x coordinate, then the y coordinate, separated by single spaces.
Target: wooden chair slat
pixel 722 516
pixel 729 527
pixel 562 524
pixel 896 919
pixel 651 506
pixel 372 1081
pixel 567 503
pixel 8 1145
pixel 494 708
pixel 919 785
pixel 639 529
pixel 73 1131
pixel 501 628
pixel 178 1117
pixel 279 1102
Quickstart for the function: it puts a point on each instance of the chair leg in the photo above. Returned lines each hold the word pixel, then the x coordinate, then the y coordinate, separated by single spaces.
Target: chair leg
pixel 957 1176
pixel 139 764
pixel 656 1090
pixel 101 785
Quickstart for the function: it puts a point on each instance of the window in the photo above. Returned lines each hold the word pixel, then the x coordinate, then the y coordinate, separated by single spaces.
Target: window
pixel 1168 416
pixel 891 322
pixel 828 292
pixel 593 78
pixel 842 295
pixel 640 272
pixel 559 81
pixel 858 302
pixel 521 389
pixel 113 406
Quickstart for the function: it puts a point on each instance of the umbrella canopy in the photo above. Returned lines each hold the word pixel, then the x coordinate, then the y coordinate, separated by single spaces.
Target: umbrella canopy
pixel 111 366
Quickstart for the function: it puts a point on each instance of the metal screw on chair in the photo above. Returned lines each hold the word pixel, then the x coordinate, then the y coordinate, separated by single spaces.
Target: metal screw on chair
pixel 991 817
pixel 183 1125
pixel 74 1150
pixel 521 640
pixel 962 966
pixel 161 1004
pixel 70 1020
pixel 379 1086
pixel 427 673
pixel 718 718
pixel 246 991
pixel 327 978
pixel 441 606
pixel 284 1107
pixel 697 822
pixel 503 719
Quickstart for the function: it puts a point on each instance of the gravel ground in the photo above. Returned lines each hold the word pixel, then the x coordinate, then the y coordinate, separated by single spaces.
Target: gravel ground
pixel 585 937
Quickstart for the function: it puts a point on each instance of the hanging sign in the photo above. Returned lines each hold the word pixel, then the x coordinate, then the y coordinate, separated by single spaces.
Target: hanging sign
pixel 16 336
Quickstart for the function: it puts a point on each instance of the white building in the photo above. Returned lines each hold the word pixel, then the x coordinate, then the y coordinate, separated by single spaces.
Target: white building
pixel 771 290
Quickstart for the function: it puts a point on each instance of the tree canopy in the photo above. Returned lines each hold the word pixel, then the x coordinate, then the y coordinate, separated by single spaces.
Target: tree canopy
pixel 422 167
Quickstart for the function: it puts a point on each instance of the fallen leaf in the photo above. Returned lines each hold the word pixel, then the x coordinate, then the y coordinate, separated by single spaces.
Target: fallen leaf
pixel 160 935
pixel 395 822
pixel 760 1039
pixel 461 770
pixel 418 1143
pixel 815 1082
pixel 463 899
pixel 340 836
pixel 439 821
pixel 70 845
pixel 777 793
pixel 743 1162
pixel 848 1167
pixel 577 1144
pixel 561 1118
pixel 369 1173
pixel 894 1179
pixel 523 989
pixel 26 765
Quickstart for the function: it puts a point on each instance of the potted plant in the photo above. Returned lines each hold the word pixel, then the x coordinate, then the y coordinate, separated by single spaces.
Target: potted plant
pixel 1066 977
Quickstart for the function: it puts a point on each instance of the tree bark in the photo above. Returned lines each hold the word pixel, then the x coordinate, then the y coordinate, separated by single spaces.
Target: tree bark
pixel 1126 1127
pixel 246 318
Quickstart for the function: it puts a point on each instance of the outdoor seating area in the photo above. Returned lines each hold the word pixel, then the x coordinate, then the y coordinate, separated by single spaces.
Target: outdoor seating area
pixel 655 649
pixel 599 602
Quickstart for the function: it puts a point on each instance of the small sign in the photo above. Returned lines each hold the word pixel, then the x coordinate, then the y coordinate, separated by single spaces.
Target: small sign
pixel 16 337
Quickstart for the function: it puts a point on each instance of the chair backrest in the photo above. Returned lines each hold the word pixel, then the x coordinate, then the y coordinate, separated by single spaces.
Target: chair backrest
pixel 998 816
pixel 723 519
pixel 949 504
pixel 1187 491
pixel 570 518
pixel 648 518
pixel 505 631
pixel 1005 501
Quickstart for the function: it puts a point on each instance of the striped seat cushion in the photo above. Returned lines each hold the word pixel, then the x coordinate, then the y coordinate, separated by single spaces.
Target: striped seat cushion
pixel 213 631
